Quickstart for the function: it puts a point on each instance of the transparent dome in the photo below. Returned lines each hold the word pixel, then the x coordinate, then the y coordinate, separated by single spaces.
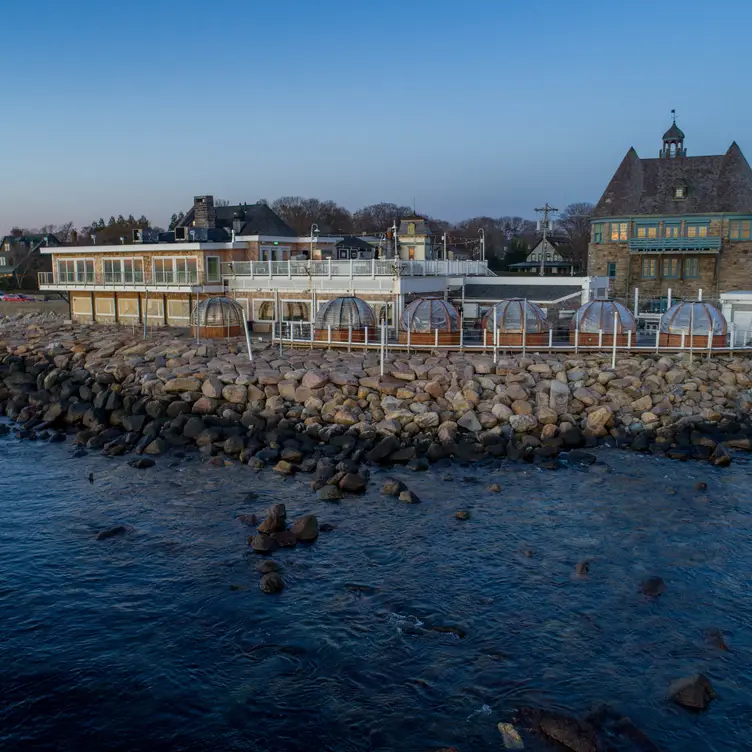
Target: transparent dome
pixel 508 317
pixel 217 311
pixel 599 314
pixel 428 314
pixel 701 317
pixel 345 312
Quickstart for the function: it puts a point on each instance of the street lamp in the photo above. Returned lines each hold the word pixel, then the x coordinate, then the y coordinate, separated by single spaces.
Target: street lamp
pixel 314 230
pixel 482 234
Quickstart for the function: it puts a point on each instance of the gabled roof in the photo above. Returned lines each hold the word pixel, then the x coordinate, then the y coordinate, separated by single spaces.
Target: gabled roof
pixel 536 293
pixel 350 241
pixel 260 219
pixel 714 184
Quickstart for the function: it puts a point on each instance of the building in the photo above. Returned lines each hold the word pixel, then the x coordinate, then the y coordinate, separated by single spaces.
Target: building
pixel 250 254
pixel 415 239
pixel 675 222
pixel 548 252
pixel 21 258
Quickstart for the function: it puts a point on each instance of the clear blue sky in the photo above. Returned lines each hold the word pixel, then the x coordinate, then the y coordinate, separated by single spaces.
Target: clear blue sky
pixel 477 107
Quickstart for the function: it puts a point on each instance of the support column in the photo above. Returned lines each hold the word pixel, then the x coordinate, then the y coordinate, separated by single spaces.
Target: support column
pixel 140 310
pixel 115 306
pixel 93 308
pixel 164 308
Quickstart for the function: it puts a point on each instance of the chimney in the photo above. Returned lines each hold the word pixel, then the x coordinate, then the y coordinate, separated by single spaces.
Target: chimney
pixel 203 212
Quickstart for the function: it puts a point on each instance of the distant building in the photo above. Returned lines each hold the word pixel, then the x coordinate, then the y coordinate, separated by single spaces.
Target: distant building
pixel 21 258
pixel 675 221
pixel 415 239
pixel 549 253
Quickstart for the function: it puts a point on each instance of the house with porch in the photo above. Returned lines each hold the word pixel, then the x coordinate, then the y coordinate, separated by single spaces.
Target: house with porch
pixel 21 258
pixel 546 255
pixel 675 222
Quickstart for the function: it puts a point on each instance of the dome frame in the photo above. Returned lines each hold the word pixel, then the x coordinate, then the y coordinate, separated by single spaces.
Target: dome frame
pixel 344 319
pixel 690 324
pixel 217 316
pixel 597 316
pixel 428 321
pixel 507 316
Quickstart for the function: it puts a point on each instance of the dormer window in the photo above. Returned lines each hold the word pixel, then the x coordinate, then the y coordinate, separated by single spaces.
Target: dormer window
pixel 411 228
pixel 680 192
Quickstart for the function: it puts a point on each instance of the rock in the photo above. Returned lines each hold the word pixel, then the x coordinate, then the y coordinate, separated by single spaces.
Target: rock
pixel 266 566
pixel 247 519
pixel 715 637
pixel 158 446
pixel 306 528
pixel 233 446
pixel 314 380
pixel 205 406
pixel 284 468
pixel 580 457
pixel 142 463
pixel 262 544
pixel 558 397
pixel 392 487
pixel 721 456
pixel 571 733
pixel 653 586
pixel 212 387
pixel 510 736
pixel 469 421
pixel 409 497
pixel 330 493
pixel 271 583
pixel 285 539
pixel 326 528
pixel 383 449
pixel 597 420
pixel 182 385
pixel 523 423
pixel 522 407
pixel 353 483
pixel 494 488
pixel 418 464
pixel 112 532
pixel 462 514
pixel 275 521
pixel 582 567
pixel 235 394
pixel 701 485
pixel 693 692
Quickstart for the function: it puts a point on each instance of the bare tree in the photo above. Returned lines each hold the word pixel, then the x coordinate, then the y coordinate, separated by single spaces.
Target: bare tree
pixel 574 221
pixel 221 202
pixel 378 217
pixel 300 213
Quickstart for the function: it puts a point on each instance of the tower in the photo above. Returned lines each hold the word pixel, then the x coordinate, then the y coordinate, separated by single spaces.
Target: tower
pixel 673 141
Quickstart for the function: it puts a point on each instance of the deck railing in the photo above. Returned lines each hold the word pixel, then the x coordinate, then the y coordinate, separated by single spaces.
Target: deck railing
pixel 74 279
pixel 355 268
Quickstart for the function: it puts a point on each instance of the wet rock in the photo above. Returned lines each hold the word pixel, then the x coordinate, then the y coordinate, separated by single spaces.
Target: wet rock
pixel 272 583
pixel 156 447
pixel 326 528
pixel 617 733
pixel 142 463
pixel 580 457
pixel 462 514
pixel 701 486
pixel 284 468
pixel 494 488
pixel 715 637
pixel 571 733
pixel 693 692
pixel 392 487
pixel 510 736
pixel 582 567
pixel 285 539
pixel 266 566
pixel 402 456
pixel 306 528
pixel 262 544
pixel 653 586
pixel 721 457
pixel 353 483
pixel 329 493
pixel 275 521
pixel 111 532
pixel 247 519
pixel 418 464
pixel 409 497
pixel 383 449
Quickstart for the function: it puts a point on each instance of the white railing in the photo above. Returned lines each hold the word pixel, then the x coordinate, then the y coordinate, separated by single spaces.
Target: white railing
pixel 354 268
pixel 120 279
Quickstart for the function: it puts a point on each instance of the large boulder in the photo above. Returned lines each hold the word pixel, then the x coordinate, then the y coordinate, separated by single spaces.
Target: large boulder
pixel 271 583
pixel 183 384
pixel 558 397
pixel 382 450
pixel 523 423
pixel 212 387
pixel 353 482
pixel 275 521
pixel 469 421
pixel 598 419
pixel 235 393
pixel 314 380
pixel 693 692
pixel 262 544
pixel 306 528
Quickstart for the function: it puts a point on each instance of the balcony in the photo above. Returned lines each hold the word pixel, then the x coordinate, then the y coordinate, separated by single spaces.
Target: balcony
pixel 707 244
pixel 165 281
pixel 355 268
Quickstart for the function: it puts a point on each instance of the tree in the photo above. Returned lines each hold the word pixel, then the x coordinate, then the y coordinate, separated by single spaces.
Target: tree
pixel 300 213
pixel 221 202
pixel 574 221
pixel 378 218
pixel 495 236
pixel 516 253
pixel 175 220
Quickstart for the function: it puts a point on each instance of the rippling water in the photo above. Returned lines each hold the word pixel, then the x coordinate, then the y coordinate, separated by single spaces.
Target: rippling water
pixel 161 639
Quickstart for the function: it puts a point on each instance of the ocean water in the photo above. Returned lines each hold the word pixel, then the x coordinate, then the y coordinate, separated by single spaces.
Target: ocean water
pixel 161 639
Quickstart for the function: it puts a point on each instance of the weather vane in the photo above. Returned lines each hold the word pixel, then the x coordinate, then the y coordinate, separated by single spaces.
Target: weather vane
pixel 673 115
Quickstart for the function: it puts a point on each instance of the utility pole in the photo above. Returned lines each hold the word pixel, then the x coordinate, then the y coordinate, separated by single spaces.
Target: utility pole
pixel 444 238
pixel 546 210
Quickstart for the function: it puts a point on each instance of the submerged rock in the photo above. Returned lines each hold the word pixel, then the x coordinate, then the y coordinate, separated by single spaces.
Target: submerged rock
pixel 306 528
pixel 330 493
pixel 272 583
pixel 409 497
pixel 262 544
pixel 462 514
pixel 112 532
pixel 582 567
pixel 571 733
pixel 653 586
pixel 693 692
pixel 267 566
pixel 142 463
pixel 392 487
pixel 275 521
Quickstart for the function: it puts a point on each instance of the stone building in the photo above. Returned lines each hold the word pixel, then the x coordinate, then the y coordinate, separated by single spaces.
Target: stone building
pixel 675 222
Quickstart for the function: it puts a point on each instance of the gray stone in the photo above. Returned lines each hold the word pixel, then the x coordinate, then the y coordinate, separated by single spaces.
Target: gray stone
pixel 469 421
pixel 271 583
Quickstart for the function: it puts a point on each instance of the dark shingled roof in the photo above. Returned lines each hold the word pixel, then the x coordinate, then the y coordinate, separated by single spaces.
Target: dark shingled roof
pixel 714 184
pixel 259 220
pixel 543 293
pixel 674 133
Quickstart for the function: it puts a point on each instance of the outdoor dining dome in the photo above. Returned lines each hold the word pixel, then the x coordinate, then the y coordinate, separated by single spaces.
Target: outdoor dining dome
pixel 340 316
pixel 507 317
pixel 217 317
pixel 690 323
pixel 598 315
pixel 428 320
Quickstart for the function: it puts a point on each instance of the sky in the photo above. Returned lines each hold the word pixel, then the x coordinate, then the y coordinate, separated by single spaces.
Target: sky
pixel 483 107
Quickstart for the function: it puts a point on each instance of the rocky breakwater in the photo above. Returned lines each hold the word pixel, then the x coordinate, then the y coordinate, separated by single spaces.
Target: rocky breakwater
pixel 326 412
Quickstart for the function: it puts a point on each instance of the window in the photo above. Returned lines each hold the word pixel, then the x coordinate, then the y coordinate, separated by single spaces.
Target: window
pixel 696 230
pixel 212 269
pixel 411 252
pixel 691 268
pixel 127 308
pixel 113 271
pixel 178 309
pixel 7 247
pixel 81 305
pixel 671 267
pixel 154 309
pixel 598 232
pixel 263 310
pixel 740 229
pixel 611 269
pixel 618 231
pixel 649 268
pixel 411 228
pixel 3 262
pixel 177 271
pixel 105 306
pixel 75 271
pixel 294 310
pixel 673 230
pixel 680 191
pixel 647 231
